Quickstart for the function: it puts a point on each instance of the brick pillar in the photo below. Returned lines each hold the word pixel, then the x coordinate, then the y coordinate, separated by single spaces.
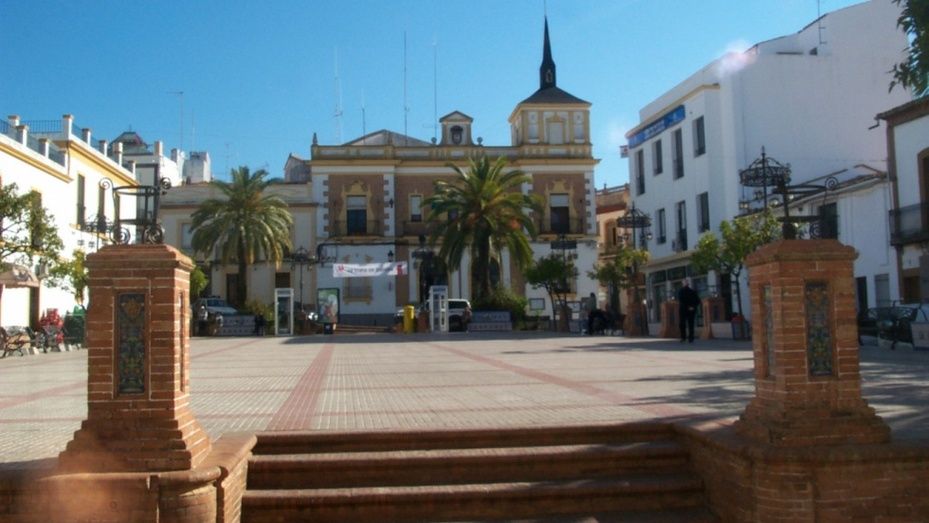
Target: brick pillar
pixel 713 312
pixel 138 413
pixel 807 381
pixel 670 320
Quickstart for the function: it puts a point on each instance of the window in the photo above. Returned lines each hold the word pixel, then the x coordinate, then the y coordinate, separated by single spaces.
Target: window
pixel 658 162
pixel 281 280
pixel 703 212
pixel 882 290
pixel 416 210
pixel 560 213
pixel 101 208
pixel 81 209
pixel 357 289
pixel 555 131
pixel 680 211
pixel 829 221
pixel 639 172
pixel 678 154
pixel 662 226
pixel 186 237
pixel 699 137
pixel 356 215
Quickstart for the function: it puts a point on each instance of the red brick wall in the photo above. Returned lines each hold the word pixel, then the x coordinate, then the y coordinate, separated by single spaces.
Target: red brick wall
pixel 750 482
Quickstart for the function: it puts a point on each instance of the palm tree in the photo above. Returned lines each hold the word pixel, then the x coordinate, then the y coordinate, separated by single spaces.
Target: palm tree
pixel 244 225
pixel 484 211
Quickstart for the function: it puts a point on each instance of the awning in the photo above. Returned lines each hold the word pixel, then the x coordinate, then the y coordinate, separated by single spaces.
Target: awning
pixel 18 276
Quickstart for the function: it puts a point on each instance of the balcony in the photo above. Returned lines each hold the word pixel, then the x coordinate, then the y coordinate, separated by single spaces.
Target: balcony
pixel 409 228
pixel 572 226
pixel 339 228
pixel 909 224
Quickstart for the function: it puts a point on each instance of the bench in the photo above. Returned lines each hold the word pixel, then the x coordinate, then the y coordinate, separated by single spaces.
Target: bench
pixel 13 339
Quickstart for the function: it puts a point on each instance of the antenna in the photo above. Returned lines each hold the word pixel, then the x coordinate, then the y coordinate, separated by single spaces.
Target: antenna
pixel 819 21
pixel 435 87
pixel 180 99
pixel 406 107
pixel 337 114
pixel 364 126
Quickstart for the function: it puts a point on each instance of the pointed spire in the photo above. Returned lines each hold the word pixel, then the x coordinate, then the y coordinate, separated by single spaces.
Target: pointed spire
pixel 547 70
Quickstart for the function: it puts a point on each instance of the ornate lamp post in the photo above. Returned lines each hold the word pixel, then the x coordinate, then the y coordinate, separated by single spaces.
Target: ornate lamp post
pixel 636 220
pixel 766 172
pixel 301 258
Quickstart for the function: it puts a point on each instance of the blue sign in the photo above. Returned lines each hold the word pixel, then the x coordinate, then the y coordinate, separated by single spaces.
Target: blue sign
pixel 670 118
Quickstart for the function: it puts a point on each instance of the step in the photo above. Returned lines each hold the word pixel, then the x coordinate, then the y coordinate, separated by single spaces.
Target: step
pixel 388 440
pixel 450 466
pixel 675 515
pixel 488 501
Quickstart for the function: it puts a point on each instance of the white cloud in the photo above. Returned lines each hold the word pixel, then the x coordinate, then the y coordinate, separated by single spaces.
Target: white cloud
pixel 734 58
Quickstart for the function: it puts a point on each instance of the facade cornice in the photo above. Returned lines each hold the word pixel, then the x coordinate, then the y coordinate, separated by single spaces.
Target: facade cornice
pixel 658 114
pixel 907 112
pixel 16 152
pixel 105 166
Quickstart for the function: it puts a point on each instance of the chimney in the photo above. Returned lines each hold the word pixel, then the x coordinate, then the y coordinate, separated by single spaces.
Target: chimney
pixel 67 122
pixel 103 145
pixel 159 148
pixel 22 134
pixel 118 152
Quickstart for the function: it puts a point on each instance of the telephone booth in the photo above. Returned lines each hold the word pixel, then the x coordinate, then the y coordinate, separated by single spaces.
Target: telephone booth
pixel 283 312
pixel 438 308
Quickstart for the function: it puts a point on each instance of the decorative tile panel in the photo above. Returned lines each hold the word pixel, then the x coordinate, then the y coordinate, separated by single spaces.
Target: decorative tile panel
pixel 819 337
pixel 130 343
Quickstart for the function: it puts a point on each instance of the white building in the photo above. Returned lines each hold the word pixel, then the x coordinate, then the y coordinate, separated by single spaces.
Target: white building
pixel 908 149
pixel 809 100
pixel 56 159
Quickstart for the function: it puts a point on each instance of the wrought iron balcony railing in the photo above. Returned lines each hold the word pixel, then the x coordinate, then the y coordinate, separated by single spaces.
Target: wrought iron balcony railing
pixel 572 226
pixel 356 228
pixel 409 228
pixel 909 224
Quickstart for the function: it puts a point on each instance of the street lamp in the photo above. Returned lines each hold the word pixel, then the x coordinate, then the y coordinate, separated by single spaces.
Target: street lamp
pixel 767 172
pixel 301 257
pixel 636 220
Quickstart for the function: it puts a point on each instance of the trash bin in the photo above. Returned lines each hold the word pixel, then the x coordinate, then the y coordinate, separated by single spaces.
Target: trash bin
pixel 409 319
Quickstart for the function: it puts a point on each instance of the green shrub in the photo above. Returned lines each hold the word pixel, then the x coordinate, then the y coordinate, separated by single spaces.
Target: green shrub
pixel 74 329
pixel 503 299
pixel 255 308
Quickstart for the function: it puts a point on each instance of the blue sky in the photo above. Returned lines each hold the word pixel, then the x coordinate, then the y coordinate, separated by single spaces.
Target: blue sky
pixel 258 77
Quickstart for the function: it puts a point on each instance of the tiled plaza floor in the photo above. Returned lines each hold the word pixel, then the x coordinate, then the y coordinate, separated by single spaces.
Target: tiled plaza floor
pixel 459 380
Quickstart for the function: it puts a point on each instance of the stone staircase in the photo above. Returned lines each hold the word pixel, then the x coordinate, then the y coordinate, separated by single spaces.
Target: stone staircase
pixel 620 473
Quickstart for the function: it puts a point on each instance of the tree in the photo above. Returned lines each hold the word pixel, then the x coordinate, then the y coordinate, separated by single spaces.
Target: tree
pixel 483 211
pixel 914 72
pixel 739 237
pixel 198 282
pixel 244 225
pixel 618 273
pixel 552 273
pixel 27 229
pixel 72 274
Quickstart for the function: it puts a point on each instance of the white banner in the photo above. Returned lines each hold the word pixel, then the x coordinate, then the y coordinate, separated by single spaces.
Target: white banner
pixel 366 270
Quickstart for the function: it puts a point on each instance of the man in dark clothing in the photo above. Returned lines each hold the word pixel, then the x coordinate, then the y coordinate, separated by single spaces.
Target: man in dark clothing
pixel 688 300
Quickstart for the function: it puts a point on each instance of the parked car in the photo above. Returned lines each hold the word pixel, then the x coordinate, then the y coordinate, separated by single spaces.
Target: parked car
pixel 459 313
pixel 215 306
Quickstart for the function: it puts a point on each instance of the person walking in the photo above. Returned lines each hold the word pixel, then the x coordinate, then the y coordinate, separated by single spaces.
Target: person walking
pixel 688 300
